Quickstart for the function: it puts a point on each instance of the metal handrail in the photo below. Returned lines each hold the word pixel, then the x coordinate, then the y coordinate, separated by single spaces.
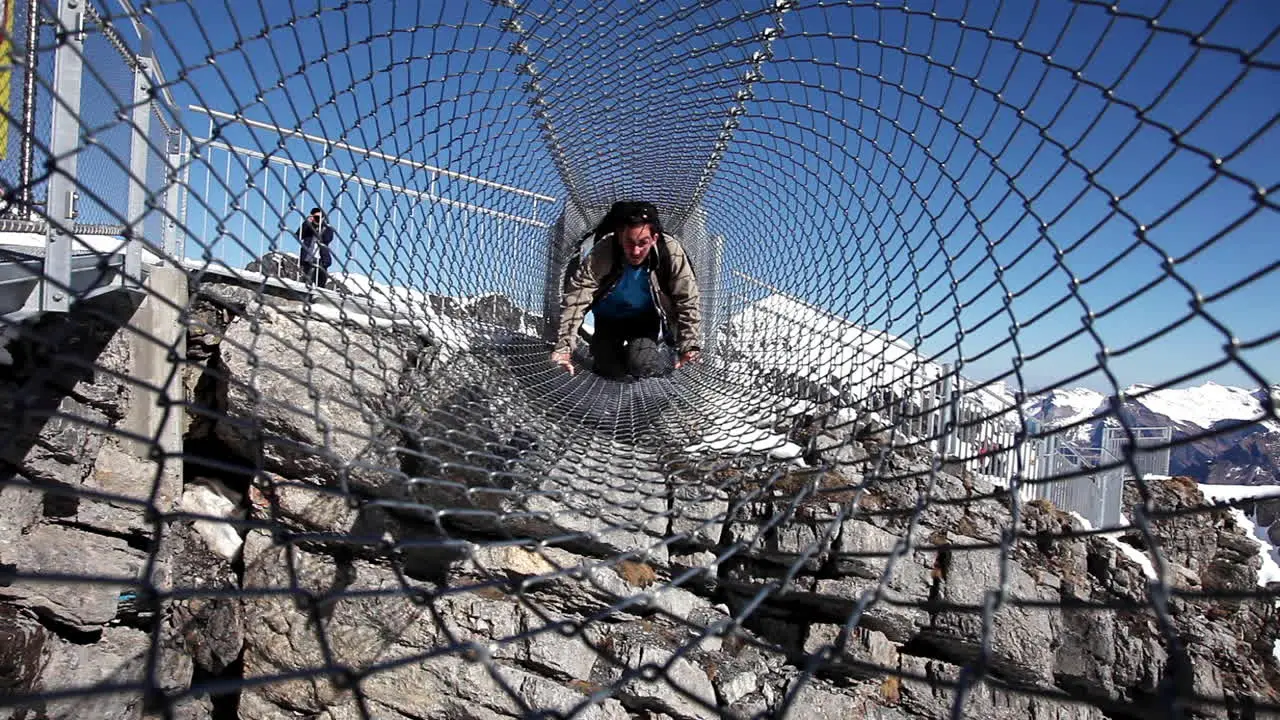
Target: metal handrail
pixel 365 152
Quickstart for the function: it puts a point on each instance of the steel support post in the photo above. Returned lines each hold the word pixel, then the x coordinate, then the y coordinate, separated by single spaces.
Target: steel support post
pixel 171 200
pixel 64 146
pixel 948 409
pixel 139 155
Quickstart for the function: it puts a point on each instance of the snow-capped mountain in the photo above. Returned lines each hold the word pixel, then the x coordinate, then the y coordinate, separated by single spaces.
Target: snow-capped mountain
pixel 1204 406
pixel 1066 408
pixel 1246 453
pixel 802 351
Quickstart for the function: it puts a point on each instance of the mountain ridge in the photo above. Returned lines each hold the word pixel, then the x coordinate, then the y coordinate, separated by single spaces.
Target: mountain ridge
pixel 1241 438
pixel 833 356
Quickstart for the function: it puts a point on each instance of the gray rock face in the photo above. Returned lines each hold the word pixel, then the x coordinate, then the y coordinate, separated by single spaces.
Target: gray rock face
pixel 20 509
pixel 66 406
pixel 118 657
pixel 698 513
pixel 122 474
pixel 471 560
pixel 862 654
pixel 317 401
pixel 822 702
pixel 209 630
pixel 63 441
pixel 311 397
pixel 839 448
pixel 647 674
pixel 51 549
pixel 1229 643
pixel 1021 638
pixel 22 649
pixel 544 669
pixel 68 373
pixel 937 697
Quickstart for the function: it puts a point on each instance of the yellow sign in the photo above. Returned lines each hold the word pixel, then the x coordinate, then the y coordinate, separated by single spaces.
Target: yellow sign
pixel 6 75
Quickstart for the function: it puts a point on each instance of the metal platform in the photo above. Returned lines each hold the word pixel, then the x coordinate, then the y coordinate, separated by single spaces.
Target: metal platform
pixel 22 279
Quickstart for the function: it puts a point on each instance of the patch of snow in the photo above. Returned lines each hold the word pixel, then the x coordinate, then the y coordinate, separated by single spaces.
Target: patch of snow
pixel 1084 522
pixel 467 301
pixel 741 439
pixel 215 266
pixel 1230 493
pixel 1270 570
pixel 367 302
pixel 784 341
pixel 994 398
pixel 221 537
pixel 843 417
pixel 1067 407
pixel 786 451
pixel 329 312
pixel 1201 406
pixel 795 408
pixel 448 333
pixel 85 244
pixel 1133 554
pixel 783 333
pixel 1142 559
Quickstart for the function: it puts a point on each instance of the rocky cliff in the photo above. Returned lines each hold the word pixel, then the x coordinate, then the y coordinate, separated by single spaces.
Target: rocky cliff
pixel 366 525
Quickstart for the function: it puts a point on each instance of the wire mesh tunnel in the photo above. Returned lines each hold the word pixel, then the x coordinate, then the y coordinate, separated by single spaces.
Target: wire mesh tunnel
pixel 244 476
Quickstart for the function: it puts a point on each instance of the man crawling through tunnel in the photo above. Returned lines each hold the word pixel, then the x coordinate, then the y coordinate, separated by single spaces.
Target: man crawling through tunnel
pixel 641 287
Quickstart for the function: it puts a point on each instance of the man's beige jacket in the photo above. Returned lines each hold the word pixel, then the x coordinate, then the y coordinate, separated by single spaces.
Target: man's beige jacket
pixel 671 279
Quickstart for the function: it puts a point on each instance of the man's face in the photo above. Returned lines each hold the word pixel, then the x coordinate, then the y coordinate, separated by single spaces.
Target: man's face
pixel 637 241
pixel 317 217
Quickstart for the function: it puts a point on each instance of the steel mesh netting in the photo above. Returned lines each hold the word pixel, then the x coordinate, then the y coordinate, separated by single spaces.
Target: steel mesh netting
pixel 381 500
pixel 107 90
pixel 159 180
pixel 40 105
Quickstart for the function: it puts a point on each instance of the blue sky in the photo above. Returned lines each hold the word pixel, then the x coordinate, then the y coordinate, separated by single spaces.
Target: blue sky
pixel 1216 239
pixel 815 193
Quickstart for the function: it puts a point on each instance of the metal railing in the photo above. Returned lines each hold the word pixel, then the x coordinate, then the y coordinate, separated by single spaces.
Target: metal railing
pixel 254 181
pixel 97 149
pixel 1151 451
pixel 1091 484
pixel 1092 479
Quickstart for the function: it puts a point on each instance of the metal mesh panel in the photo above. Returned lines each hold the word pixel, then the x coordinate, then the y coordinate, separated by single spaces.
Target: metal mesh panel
pixel 915 229
pixel 159 135
pixel 106 92
pixel 27 50
pixel 12 79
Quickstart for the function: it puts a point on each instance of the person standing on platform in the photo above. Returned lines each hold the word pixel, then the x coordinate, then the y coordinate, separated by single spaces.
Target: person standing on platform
pixel 316 238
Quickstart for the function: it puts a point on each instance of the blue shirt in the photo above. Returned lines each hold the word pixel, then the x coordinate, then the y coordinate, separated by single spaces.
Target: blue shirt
pixel 630 297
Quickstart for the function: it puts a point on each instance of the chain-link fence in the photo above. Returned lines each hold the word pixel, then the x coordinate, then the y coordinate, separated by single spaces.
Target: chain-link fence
pixel 330 467
pixel 113 77
pixel 28 52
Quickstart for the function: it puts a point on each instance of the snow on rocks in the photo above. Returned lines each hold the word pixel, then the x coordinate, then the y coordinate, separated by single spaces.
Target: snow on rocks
pixel 221 537
pixel 1142 559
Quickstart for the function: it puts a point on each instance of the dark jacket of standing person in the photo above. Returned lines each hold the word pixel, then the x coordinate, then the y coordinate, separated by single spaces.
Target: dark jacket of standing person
pixel 316 237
